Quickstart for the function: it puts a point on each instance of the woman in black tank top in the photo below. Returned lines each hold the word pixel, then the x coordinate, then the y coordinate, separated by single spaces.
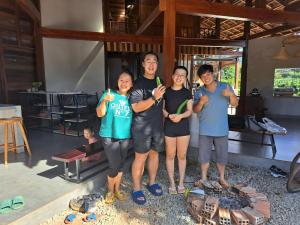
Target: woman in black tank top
pixel 177 109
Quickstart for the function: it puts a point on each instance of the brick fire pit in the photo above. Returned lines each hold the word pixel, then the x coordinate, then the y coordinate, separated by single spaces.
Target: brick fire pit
pixel 240 205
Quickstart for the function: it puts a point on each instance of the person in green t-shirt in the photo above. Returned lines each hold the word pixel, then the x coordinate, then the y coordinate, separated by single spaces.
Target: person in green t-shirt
pixel 116 114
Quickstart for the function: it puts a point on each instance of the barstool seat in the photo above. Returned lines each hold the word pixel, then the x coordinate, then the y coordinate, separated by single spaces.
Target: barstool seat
pixel 10 124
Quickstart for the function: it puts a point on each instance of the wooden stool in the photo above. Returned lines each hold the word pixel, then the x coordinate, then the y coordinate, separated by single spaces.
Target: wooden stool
pixel 9 123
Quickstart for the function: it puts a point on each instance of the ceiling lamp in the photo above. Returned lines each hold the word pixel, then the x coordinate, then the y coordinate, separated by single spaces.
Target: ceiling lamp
pixel 297 54
pixel 290 40
pixel 282 54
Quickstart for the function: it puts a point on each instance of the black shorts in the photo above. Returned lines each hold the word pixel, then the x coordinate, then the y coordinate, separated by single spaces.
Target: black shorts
pixel 147 138
pixel 177 129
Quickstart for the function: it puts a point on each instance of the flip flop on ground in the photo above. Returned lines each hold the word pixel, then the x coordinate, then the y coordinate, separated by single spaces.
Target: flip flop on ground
pixel 17 202
pixel 91 217
pixel 155 189
pixel 180 189
pixel 138 197
pixel 172 191
pixel 5 206
pixel 121 195
pixel 70 218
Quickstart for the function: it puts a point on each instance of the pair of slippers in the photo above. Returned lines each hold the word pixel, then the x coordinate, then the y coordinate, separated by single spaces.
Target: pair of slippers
pixel 89 218
pixel 8 205
pixel 139 197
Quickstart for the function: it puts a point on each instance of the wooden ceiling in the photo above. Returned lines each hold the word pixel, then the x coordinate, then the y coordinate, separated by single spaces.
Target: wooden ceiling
pixel 229 29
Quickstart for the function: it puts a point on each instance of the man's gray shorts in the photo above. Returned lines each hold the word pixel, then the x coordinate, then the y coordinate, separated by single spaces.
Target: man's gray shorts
pixel 205 148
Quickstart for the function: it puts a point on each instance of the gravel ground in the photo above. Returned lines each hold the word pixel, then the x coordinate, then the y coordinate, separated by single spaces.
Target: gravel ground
pixel 171 209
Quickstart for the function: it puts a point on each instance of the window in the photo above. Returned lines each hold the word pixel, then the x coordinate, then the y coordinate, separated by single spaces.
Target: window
pixel 286 82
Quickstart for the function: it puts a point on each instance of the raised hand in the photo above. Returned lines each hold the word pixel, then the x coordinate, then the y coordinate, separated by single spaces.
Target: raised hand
pixel 204 99
pixel 159 91
pixel 108 97
pixel 227 92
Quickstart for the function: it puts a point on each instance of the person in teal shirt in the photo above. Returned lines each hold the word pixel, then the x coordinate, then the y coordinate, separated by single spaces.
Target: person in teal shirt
pixel 116 114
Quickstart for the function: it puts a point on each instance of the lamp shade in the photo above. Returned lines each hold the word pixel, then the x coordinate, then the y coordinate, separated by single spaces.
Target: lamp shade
pixel 297 54
pixel 282 54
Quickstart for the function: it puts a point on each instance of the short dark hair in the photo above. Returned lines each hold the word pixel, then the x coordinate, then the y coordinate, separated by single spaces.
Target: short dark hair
pixel 89 129
pixel 150 53
pixel 181 68
pixel 205 68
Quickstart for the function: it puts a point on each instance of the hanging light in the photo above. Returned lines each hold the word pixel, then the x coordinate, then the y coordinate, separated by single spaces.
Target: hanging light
pixel 282 54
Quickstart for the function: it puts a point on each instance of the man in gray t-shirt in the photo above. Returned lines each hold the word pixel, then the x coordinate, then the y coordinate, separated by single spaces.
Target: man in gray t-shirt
pixel 211 102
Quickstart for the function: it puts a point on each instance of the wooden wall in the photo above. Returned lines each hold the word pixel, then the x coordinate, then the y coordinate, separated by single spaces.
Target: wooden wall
pixel 17 51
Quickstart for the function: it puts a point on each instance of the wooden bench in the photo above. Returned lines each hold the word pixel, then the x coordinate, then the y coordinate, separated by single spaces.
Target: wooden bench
pixel 76 155
pixel 263 132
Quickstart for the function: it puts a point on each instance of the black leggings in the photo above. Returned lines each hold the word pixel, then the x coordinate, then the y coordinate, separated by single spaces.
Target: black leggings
pixel 116 153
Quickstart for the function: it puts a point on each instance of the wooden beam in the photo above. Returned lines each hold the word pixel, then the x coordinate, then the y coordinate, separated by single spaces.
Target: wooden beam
pixel 169 41
pixel 155 13
pixel 106 37
pixel 210 42
pixel 30 9
pixel 293 7
pixel 98 36
pixel 272 31
pixel 3 80
pixel 228 11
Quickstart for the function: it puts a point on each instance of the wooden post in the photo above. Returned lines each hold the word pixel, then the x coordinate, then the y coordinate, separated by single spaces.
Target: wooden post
pixel 39 54
pixel 3 81
pixel 243 88
pixel 169 41
pixel 236 77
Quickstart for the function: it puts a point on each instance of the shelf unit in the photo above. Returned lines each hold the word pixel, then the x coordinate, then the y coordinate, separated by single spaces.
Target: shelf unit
pixel 60 112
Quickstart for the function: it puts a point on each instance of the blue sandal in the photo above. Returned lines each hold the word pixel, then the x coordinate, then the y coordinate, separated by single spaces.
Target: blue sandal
pixel 70 218
pixel 91 217
pixel 136 195
pixel 155 189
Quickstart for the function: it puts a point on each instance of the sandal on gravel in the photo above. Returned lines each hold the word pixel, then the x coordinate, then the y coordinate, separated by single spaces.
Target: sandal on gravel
pixel 224 184
pixel 70 218
pixel 121 195
pixel 90 217
pixel 138 197
pixel 172 191
pixel 155 189
pixel 217 186
pixel 181 189
pixel 109 198
pixel 203 183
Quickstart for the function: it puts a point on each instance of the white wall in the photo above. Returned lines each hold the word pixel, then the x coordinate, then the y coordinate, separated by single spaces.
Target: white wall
pixel 73 64
pixel 261 67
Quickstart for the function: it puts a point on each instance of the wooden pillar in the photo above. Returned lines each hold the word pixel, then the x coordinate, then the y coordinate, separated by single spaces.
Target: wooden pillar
pixel 236 71
pixel 39 54
pixel 3 82
pixel 169 41
pixel 243 88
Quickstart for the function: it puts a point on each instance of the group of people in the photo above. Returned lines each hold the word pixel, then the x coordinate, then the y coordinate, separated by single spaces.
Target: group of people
pixel 156 119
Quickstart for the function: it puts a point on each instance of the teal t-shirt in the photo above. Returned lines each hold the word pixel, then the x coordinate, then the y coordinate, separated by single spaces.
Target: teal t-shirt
pixel 117 121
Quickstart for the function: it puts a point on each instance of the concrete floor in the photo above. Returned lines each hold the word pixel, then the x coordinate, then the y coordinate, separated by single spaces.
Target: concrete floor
pixel 46 194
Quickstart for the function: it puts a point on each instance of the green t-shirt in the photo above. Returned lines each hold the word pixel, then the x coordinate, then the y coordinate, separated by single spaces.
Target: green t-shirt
pixel 117 121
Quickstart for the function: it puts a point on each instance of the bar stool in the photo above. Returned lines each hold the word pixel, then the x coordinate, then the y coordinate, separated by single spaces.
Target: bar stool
pixel 10 123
